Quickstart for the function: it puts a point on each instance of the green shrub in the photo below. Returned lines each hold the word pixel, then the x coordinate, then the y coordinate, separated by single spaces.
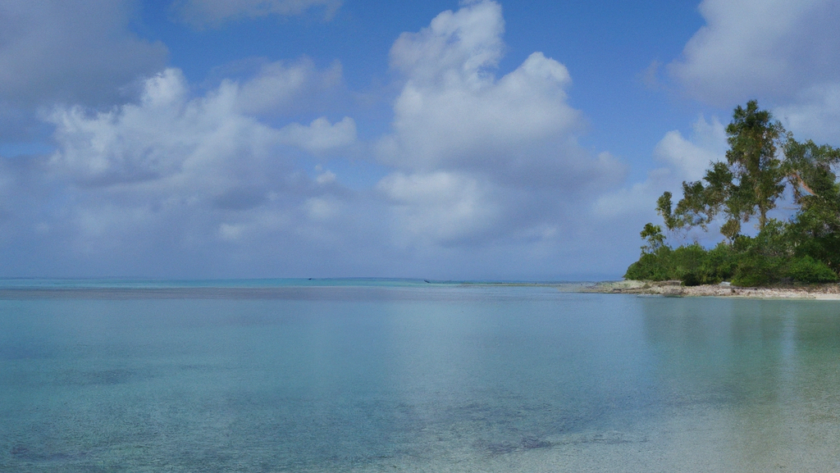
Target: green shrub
pixel 758 270
pixel 809 270
pixel 651 266
pixel 824 248
pixel 720 264
pixel 764 259
pixel 687 263
pixel 772 256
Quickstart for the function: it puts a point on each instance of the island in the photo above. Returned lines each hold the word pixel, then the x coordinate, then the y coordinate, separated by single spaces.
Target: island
pixel 829 292
pixel 790 251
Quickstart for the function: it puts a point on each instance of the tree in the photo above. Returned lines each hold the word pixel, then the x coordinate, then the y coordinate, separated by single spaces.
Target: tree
pixel 654 237
pixel 815 230
pixel 803 249
pixel 748 183
pixel 808 168
pixel 753 161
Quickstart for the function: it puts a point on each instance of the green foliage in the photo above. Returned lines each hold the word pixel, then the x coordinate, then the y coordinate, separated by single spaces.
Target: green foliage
pixel 651 266
pixel 654 237
pixel 720 263
pixel 809 270
pixel 753 138
pixel 663 208
pixel 805 249
pixel 824 247
pixel 752 272
pixel 687 264
pixel 748 183
pixel 761 260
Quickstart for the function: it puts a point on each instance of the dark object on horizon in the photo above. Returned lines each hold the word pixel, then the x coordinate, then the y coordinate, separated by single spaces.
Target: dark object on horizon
pixel 426 281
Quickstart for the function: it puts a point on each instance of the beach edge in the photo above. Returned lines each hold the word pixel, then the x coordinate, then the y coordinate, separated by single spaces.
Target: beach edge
pixel 676 289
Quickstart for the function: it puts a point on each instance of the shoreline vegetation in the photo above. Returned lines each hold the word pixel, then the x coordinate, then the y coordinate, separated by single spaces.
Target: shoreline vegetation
pixel 827 292
pixel 793 251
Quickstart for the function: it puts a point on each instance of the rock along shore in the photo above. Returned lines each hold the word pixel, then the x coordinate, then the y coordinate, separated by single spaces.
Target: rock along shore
pixel 675 289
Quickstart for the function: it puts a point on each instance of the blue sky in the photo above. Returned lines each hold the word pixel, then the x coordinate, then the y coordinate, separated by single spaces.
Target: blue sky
pixel 346 138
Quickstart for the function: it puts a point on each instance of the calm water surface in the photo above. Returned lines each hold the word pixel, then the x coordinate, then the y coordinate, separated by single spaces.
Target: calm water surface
pixel 407 377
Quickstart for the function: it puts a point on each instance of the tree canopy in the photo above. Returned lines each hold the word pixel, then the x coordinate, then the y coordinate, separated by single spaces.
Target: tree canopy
pixel 763 161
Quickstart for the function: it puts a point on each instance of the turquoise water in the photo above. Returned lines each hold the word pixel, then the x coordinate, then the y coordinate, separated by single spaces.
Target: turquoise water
pixel 91 284
pixel 408 376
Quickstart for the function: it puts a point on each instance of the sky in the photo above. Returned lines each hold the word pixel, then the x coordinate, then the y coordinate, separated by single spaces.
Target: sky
pixel 446 140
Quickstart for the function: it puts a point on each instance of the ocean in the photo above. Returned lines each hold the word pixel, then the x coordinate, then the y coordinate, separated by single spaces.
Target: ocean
pixel 409 376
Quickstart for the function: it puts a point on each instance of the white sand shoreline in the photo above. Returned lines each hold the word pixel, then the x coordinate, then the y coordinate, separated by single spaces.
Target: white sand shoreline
pixel 829 292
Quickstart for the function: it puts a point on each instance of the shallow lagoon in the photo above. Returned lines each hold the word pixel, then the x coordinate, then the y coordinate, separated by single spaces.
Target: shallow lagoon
pixel 412 377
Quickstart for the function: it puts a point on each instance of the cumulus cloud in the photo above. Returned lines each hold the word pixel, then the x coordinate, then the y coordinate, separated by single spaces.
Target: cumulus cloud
pixel 80 51
pixel 481 174
pixel 194 170
pixel 814 113
pixel 764 48
pixel 202 13
pixel 682 159
pixel 456 46
pixel 320 136
pixel 168 135
pixel 279 87
pixel 784 53
pixel 474 152
pixel 164 134
pixel 690 158
pixel 441 206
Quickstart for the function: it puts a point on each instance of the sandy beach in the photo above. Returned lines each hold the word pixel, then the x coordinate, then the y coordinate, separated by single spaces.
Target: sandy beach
pixel 674 289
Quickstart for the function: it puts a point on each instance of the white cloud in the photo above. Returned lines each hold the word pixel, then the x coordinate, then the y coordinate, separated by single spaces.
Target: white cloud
pixel 325 176
pixel 279 87
pixel 457 46
pixel 784 53
pixel 475 118
pixel 230 232
pixel 164 135
pixel 322 208
pixel 440 206
pixel 760 48
pixel 162 182
pixel 479 156
pixel 202 13
pixel 690 159
pixel 171 137
pixel 480 175
pixel 80 51
pixel 320 136
pixel 814 113
pixel 684 159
